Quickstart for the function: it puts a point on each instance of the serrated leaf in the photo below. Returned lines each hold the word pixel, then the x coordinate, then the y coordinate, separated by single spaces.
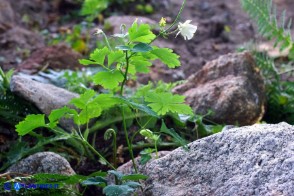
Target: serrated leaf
pixel 86 62
pixel 99 55
pixel 55 115
pixel 140 65
pixel 141 47
pixel 167 57
pixel 108 79
pixel 82 101
pixel 115 56
pixel 171 132
pixel 106 101
pixel 140 107
pixel 163 103
pixel 97 180
pixel 141 33
pixel 30 123
pixel 92 110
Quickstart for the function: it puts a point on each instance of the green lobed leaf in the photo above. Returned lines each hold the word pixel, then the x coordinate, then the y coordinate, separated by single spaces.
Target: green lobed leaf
pixel 106 101
pixel 55 115
pixel 171 132
pixel 82 101
pixel 139 64
pixel 115 56
pixel 163 103
pixel 167 57
pixel 30 123
pixel 99 55
pixel 92 110
pixel 141 33
pixel 140 107
pixel 108 79
pixel 86 62
pixel 97 180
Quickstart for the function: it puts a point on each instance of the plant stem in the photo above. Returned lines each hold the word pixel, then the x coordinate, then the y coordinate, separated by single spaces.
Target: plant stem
pixel 150 145
pixel 106 40
pixel 128 141
pixel 178 16
pixel 173 24
pixel 97 153
pixel 125 75
pixel 115 150
pixel 156 150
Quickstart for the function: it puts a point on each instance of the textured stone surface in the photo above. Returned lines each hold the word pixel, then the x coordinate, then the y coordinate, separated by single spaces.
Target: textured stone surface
pixel 43 162
pixel 231 86
pixel 46 97
pixel 252 160
pixel 55 57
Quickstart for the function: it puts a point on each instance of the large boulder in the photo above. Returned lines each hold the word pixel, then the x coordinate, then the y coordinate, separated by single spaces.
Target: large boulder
pixel 231 86
pixel 252 160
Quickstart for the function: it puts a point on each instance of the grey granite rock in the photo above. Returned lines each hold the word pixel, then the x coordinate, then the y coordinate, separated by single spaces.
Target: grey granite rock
pixel 43 162
pixel 46 97
pixel 231 86
pixel 252 160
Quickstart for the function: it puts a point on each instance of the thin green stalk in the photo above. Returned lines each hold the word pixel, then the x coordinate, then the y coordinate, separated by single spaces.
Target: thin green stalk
pixel 178 16
pixel 114 150
pixel 106 40
pixel 128 141
pixel 150 145
pixel 173 24
pixel 126 74
pixel 97 153
pixel 156 150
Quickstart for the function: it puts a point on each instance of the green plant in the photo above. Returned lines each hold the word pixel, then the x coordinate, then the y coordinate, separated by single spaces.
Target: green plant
pixel 263 12
pixel 120 64
pixel 124 184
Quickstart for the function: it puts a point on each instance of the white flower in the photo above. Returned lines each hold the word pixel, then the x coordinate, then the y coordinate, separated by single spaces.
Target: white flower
pixel 98 31
pixel 187 30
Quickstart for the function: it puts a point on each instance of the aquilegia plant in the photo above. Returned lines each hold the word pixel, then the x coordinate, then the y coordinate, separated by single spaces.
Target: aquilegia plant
pixel 134 54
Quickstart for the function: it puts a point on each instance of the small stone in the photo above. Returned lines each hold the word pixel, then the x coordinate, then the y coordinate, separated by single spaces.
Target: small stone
pixel 43 162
